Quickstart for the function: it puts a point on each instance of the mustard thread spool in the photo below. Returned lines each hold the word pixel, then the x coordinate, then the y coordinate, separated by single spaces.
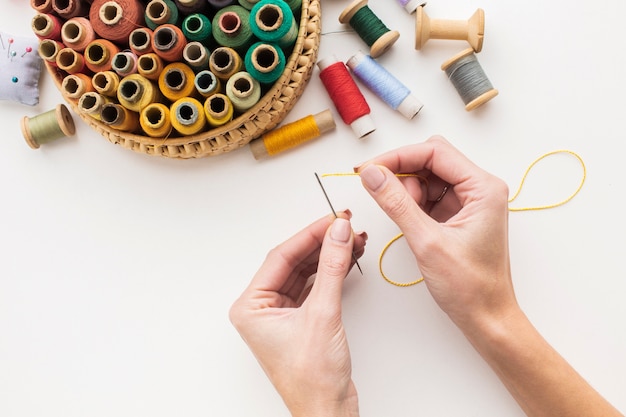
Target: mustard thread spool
pixel 218 109
pixel 155 120
pixel 136 92
pixel 48 127
pixel 150 65
pixel 187 116
pixel 177 81
pixel 119 117
pixel 106 83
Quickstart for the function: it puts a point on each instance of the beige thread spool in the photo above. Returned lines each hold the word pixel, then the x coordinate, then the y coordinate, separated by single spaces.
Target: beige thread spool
pixel 48 127
pixel 471 30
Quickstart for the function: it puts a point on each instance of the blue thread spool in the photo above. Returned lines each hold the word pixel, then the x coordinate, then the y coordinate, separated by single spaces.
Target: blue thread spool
pixel 384 85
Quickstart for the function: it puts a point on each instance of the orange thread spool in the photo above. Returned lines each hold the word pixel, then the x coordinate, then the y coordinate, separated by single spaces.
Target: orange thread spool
pixel 116 19
pixel 169 42
pixel 66 9
pixel 119 117
pixel 140 41
pixel 150 66
pixel 77 33
pixel 46 26
pixel 74 86
pixel 177 81
pixel 70 61
pixel 99 55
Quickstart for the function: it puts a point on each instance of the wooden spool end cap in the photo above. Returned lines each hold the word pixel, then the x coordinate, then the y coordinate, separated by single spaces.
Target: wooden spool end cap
pixel 351 10
pixel 383 43
pixel 476 30
pixel 462 54
pixel 480 100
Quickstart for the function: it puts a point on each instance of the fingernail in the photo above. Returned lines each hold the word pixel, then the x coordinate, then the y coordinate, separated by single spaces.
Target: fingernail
pixel 347 213
pixel 363 234
pixel 372 177
pixel 341 230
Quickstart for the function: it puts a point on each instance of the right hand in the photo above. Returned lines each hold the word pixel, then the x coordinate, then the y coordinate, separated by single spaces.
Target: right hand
pixel 459 235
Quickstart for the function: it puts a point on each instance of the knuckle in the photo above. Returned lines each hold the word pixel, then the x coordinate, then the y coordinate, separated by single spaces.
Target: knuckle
pixel 396 204
pixel 335 265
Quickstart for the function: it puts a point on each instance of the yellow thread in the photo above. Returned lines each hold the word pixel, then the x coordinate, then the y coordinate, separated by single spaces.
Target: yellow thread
pixel 513 209
pixel 218 109
pixel 155 120
pixel 291 135
pixel 187 116
pixel 176 81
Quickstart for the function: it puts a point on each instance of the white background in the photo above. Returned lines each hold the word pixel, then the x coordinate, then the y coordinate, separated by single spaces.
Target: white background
pixel 117 269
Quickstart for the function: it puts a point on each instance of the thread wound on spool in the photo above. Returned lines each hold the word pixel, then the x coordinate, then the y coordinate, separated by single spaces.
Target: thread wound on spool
pixel 114 20
pixel 46 26
pixel 169 42
pixel 273 21
pixel 218 109
pixel 224 62
pixel 369 27
pixel 77 33
pixel 265 62
pixel 231 28
pixel 99 55
pixel 140 41
pixel 155 120
pixel 47 127
pixel 177 81
pixel 187 116
pixel 469 79
pixel 243 91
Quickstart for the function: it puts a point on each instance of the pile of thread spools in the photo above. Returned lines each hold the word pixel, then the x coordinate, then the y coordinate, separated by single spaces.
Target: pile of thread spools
pixel 463 69
pixel 165 68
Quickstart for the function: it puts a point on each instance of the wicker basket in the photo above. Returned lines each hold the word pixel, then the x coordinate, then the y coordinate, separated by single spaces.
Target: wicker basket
pixel 264 116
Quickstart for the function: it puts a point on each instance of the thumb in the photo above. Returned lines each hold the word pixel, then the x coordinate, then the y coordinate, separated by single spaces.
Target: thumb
pixel 334 264
pixel 394 199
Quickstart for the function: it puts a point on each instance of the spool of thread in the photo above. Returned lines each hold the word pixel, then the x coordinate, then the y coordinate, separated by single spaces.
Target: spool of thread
pixel 160 12
pixel 99 55
pixel 273 21
pixel 46 26
pixel 197 28
pixel 243 91
pixel 224 62
pixel 295 6
pixel 136 92
pixel 77 33
pixel 187 116
pixel 196 56
pixel 248 5
pixel 150 66
pixel 169 42
pixel 119 117
pixel 188 7
pixel 155 120
pixel 207 83
pixel 116 19
pixel 48 127
pixel 140 41
pixel 384 85
pixel 218 110
pixel 74 86
pixel 66 9
pixel 220 4
pixel 106 83
pixel 124 63
pixel 369 27
pixel 469 79
pixel 70 61
pixel 91 104
pixel 346 96
pixel 411 5
pixel 231 28
pixel 265 62
pixel 48 50
pixel 292 134
pixel 471 30
pixel 41 6
pixel 177 81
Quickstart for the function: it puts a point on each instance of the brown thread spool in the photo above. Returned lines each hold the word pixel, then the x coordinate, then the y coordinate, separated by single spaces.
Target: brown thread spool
pixel 150 66
pixel 48 127
pixel 140 41
pixel 46 26
pixel 169 42
pixel 471 30
pixel 41 6
pixel 77 33
pixel 116 19
pixel 99 55
pixel 224 62
pixel 67 9
pixel 70 61
pixel 119 117
pixel 48 50
pixel 74 86
pixel 106 83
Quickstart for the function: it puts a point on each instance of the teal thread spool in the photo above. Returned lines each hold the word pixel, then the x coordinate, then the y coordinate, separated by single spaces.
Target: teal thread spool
pixel 369 27
pixel 160 12
pixel 197 28
pixel 231 28
pixel 294 5
pixel 273 21
pixel 265 62
pixel 48 127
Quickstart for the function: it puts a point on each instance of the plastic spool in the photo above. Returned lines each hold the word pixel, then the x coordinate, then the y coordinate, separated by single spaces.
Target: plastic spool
pixel 469 79
pixel 48 127
pixel 471 30
pixel 383 43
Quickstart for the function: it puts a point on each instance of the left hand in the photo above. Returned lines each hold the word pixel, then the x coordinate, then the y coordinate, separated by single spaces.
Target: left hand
pixel 296 332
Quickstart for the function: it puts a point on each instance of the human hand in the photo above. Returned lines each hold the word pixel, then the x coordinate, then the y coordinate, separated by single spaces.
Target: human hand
pixel 455 222
pixel 296 332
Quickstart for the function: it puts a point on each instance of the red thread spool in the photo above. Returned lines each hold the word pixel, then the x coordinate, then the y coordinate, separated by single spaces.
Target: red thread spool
pixel 41 6
pixel 116 19
pixel 46 26
pixel 169 43
pixel 67 9
pixel 77 33
pixel 99 55
pixel 346 96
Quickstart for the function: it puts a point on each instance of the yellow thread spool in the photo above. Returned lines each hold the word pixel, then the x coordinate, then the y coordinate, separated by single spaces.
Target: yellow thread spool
pixel 177 81
pixel 292 134
pixel 119 117
pixel 91 104
pixel 224 62
pixel 74 86
pixel 136 92
pixel 187 116
pixel 106 83
pixel 155 120
pixel 70 61
pixel 218 109
pixel 150 66
pixel 48 127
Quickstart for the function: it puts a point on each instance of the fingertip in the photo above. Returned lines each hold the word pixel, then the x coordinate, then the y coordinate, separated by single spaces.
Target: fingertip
pixel 372 177
pixel 341 230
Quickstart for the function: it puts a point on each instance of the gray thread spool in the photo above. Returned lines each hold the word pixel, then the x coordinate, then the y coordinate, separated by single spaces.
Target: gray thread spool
pixel 469 79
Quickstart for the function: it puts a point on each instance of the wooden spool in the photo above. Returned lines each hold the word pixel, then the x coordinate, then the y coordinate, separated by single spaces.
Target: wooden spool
pixel 383 43
pixel 471 30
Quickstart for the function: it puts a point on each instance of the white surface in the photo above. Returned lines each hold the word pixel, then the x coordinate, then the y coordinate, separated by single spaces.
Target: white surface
pixel 118 268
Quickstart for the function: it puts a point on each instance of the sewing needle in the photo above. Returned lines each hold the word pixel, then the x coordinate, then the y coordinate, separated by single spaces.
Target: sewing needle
pixel 335 214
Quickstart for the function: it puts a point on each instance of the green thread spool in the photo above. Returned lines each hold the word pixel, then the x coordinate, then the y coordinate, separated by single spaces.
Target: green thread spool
pixel 273 21
pixel 231 28
pixel 369 27
pixel 265 62
pixel 243 91
pixel 160 12
pixel 48 127
pixel 197 27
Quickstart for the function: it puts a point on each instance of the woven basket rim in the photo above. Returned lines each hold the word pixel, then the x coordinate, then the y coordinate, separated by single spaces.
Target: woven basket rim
pixel 199 145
